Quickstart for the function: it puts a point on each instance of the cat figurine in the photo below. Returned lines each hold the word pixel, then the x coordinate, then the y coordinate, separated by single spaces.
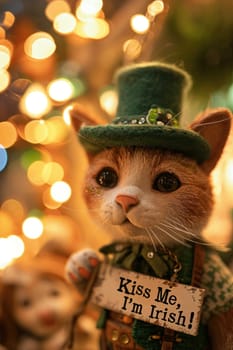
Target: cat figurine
pixel 148 185
pixel 37 305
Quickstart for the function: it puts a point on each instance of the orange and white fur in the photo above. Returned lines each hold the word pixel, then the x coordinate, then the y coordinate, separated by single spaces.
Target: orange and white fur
pixel 155 197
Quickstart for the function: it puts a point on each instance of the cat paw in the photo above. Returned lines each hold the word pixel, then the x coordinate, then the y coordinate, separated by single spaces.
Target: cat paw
pixel 80 267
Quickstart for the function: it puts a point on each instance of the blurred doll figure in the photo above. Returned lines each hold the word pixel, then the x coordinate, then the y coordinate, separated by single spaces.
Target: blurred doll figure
pixel 37 305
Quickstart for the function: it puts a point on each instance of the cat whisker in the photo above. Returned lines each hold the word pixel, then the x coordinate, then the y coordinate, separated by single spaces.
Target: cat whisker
pixel 184 230
pixel 197 240
pixel 151 238
pixel 178 223
pixel 174 238
pixel 156 237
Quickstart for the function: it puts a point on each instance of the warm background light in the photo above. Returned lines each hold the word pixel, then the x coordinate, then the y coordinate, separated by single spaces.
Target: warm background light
pixel 16 246
pixel 155 8
pixel 132 49
pixel 11 247
pixel 34 173
pixel 94 28
pixel 60 191
pixel 39 45
pixel 109 101
pixel 66 115
pixel 58 130
pixel 55 8
pixel 90 8
pixel 4 79
pixel 36 131
pixel 60 90
pixel 32 227
pixel 49 202
pixel 140 24
pixel 35 102
pixel 7 19
pixel 13 208
pixel 52 172
pixel 8 134
pixel 64 23
pixel 5 57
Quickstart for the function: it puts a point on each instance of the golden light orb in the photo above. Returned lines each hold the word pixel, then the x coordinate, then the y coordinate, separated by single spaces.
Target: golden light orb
pixel 139 23
pixel 32 227
pixel 4 79
pixel 39 45
pixel 60 90
pixel 60 191
pixel 155 8
pixel 64 23
pixel 35 103
pixel 8 134
pixel 93 28
pixel 55 8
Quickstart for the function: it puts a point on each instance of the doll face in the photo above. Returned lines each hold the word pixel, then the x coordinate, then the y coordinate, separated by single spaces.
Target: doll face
pixel 43 305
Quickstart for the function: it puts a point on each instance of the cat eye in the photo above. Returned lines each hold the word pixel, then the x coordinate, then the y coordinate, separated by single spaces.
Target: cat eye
pixel 25 303
pixel 107 177
pixel 54 292
pixel 166 182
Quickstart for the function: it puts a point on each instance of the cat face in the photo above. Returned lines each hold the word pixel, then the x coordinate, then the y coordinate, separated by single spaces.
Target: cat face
pixel 146 195
pixel 42 306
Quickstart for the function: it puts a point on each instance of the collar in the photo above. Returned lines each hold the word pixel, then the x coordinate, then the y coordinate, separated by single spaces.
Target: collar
pixel 144 259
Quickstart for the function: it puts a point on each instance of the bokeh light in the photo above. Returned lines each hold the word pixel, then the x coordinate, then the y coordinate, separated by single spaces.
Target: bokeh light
pixel 2 33
pixel 58 130
pixel 55 8
pixel 60 191
pixel 60 90
pixel 90 7
pixel 155 8
pixel 34 173
pixel 109 101
pixel 132 49
pixel 5 56
pixel 4 79
pixel 36 131
pixel 93 28
pixel 3 158
pixel 7 19
pixel 52 172
pixel 8 134
pixel 39 45
pixel 16 246
pixel 66 115
pixel 7 223
pixel 48 201
pixel 13 208
pixel 11 248
pixel 35 102
pixel 64 23
pixel 32 227
pixel 139 23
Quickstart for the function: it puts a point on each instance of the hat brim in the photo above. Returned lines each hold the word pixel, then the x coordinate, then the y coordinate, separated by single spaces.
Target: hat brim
pixel 97 138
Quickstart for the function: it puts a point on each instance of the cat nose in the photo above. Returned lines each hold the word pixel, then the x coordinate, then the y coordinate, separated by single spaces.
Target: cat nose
pixel 126 201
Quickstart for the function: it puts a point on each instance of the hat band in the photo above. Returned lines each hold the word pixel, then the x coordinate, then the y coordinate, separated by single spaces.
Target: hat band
pixel 155 116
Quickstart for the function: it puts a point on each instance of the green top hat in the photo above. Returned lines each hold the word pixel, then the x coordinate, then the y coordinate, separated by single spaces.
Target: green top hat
pixel 149 108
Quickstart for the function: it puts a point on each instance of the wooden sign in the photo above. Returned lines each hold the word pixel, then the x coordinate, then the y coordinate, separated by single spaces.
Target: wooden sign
pixel 161 302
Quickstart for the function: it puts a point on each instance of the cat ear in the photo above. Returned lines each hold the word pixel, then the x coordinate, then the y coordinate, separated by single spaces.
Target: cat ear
pixel 80 116
pixel 214 126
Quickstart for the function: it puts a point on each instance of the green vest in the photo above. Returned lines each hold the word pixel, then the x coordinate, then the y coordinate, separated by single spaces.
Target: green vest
pixel 143 259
